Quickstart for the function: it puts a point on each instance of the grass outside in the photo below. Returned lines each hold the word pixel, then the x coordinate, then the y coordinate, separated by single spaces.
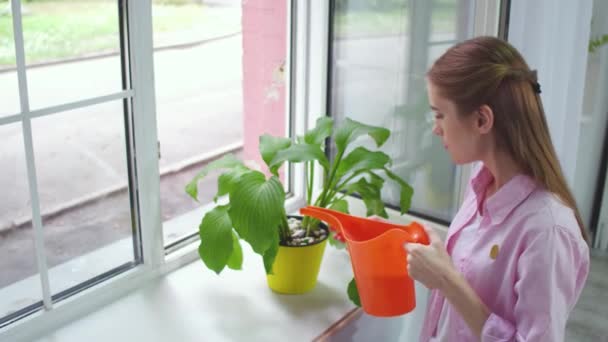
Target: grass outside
pixel 379 23
pixel 63 29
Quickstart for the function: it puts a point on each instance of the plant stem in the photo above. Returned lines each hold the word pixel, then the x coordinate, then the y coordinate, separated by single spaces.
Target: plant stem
pixel 311 223
pixel 305 222
pixel 335 189
pixel 327 183
pixel 339 186
pixel 284 228
pixel 310 180
pixel 330 180
pixel 309 186
pixel 307 225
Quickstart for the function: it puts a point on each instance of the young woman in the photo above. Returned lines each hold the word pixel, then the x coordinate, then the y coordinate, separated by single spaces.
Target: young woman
pixel 516 257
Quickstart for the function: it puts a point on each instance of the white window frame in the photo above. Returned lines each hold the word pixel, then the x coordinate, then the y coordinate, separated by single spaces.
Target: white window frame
pixel 313 85
pixel 55 314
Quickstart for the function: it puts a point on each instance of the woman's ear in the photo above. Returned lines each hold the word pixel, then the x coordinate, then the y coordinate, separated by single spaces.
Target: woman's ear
pixel 485 119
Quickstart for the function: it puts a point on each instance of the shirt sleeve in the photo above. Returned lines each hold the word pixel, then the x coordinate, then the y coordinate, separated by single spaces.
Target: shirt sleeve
pixel 551 273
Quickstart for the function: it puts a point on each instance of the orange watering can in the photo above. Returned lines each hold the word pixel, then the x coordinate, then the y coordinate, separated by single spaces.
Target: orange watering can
pixel 378 259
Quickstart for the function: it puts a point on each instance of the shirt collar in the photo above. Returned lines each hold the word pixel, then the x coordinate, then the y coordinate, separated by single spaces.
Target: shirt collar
pixel 508 197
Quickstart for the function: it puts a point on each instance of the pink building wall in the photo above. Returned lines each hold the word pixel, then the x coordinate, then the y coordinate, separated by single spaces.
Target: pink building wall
pixel 264 25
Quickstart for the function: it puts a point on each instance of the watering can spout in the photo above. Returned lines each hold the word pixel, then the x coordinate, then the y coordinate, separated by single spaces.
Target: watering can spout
pixel 378 259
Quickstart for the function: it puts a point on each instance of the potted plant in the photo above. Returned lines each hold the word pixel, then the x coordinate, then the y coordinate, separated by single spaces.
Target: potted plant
pixel 292 247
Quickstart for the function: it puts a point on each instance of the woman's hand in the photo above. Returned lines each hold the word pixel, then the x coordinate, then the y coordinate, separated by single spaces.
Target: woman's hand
pixel 431 265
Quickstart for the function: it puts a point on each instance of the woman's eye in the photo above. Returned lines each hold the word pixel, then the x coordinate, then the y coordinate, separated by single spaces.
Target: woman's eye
pixel 438 116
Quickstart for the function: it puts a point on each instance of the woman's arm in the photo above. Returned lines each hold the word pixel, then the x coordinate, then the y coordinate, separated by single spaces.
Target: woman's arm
pixel 464 299
pixel 432 266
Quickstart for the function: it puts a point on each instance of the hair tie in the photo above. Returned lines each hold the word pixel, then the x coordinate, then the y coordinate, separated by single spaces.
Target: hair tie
pixel 534 81
pixel 536 87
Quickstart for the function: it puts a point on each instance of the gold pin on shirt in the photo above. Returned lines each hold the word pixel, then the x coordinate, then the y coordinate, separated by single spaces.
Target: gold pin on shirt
pixel 494 252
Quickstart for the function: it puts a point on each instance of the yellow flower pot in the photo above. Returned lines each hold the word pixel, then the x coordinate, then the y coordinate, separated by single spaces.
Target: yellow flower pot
pixel 296 268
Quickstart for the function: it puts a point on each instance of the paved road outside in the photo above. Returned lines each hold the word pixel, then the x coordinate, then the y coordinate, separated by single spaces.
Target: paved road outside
pixel 199 104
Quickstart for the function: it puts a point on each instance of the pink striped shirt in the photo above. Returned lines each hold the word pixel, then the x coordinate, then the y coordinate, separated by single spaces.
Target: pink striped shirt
pixel 534 276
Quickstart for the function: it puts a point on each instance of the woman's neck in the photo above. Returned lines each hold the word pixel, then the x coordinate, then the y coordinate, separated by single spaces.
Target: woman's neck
pixel 503 168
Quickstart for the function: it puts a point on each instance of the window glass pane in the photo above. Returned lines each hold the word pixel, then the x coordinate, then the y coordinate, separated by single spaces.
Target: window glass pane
pixel 9 90
pixel 19 280
pixel 219 85
pixel 444 17
pixel 72 50
pixel 388 88
pixel 84 196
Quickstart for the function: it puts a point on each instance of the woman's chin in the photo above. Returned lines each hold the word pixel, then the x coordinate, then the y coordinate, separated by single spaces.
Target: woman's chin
pixel 460 161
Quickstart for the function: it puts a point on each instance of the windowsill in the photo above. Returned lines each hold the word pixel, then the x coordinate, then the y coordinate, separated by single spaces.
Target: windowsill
pixel 191 303
pixel 66 275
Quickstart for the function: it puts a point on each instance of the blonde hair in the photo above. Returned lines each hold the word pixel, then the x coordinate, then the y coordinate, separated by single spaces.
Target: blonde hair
pixel 490 71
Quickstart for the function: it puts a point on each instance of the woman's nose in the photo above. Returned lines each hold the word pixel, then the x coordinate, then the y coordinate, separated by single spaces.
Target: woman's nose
pixel 436 129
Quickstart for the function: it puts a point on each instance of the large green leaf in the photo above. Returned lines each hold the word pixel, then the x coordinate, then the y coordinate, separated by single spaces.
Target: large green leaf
pixel 361 159
pixel 227 181
pixel 257 209
pixel 351 130
pixel 229 161
pixel 271 254
pixel 375 180
pixel 216 238
pixel 353 293
pixel 375 206
pixel 298 153
pixel 407 191
pixel 235 261
pixel 340 205
pixel 269 146
pixel 322 130
pixel 371 195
